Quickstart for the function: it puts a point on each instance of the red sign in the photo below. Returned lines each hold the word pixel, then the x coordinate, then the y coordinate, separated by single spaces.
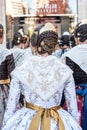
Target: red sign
pixel 54 7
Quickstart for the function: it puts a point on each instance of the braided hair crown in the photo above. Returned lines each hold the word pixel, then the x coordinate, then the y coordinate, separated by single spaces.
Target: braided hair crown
pixel 81 31
pixel 45 39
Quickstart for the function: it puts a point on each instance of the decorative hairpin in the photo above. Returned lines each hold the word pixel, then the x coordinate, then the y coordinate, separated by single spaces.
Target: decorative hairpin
pixel 39 49
pixel 78 34
pixel 18 38
pixel 42 43
pixel 18 41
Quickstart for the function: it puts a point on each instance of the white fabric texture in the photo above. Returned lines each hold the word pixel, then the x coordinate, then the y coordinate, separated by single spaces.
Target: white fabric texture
pixel 20 55
pixel 42 80
pixel 3 53
pixel 77 54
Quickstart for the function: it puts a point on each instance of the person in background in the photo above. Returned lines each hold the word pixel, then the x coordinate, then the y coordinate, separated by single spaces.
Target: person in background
pixel 42 78
pixel 76 59
pixel 25 41
pixel 6 67
pixel 63 45
pixel 17 48
pixel 19 57
pixel 65 42
pixel 58 51
pixel 17 40
pixel 21 49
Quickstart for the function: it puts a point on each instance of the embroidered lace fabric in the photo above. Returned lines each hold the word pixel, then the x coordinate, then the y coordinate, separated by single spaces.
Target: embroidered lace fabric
pixel 42 87
pixel 3 53
pixel 20 55
pixel 77 57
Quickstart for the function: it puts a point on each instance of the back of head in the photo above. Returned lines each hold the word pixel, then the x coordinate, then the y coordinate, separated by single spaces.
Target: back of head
pixel 25 38
pixel 1 30
pixel 17 39
pixel 45 39
pixel 25 41
pixel 81 31
pixel 65 39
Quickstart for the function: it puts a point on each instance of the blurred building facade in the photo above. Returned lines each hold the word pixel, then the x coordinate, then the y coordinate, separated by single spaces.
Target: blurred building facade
pixel 81 10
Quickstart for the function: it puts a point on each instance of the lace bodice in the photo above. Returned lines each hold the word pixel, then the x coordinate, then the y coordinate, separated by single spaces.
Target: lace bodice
pixel 45 75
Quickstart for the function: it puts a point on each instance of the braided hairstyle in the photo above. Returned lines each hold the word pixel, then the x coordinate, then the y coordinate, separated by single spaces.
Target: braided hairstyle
pixel 81 32
pixel 1 30
pixel 35 35
pixel 45 41
pixel 17 39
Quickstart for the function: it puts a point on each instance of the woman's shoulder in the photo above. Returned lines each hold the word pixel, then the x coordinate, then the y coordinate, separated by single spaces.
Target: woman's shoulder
pixel 4 53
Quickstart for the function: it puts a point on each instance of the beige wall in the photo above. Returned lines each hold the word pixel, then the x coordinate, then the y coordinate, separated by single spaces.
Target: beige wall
pixel 2 18
pixel 82 10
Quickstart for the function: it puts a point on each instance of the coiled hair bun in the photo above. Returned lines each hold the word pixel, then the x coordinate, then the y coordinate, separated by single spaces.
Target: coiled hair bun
pixel 45 38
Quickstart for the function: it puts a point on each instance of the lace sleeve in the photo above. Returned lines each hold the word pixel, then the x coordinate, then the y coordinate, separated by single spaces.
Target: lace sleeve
pixel 13 100
pixel 70 97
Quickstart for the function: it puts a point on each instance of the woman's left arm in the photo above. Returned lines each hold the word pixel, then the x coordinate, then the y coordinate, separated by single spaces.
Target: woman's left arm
pixel 13 99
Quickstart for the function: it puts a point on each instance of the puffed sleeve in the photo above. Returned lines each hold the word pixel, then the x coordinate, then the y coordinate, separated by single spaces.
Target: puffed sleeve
pixel 70 97
pixel 13 99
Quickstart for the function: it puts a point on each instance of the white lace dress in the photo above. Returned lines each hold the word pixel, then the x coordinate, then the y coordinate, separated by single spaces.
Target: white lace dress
pixel 42 80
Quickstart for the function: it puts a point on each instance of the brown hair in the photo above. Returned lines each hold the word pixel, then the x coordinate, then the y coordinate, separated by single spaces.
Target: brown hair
pixel 45 42
pixel 17 39
pixel 1 30
pixel 81 31
pixel 24 39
